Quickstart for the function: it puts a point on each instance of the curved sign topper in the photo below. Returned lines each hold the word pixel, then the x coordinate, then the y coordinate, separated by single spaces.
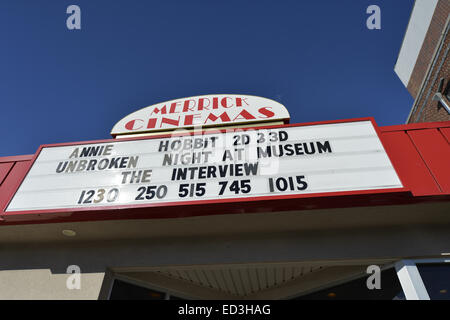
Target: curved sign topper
pixel 205 111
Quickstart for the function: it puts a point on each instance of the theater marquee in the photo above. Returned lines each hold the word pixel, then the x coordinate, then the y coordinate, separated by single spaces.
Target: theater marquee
pixel 204 111
pixel 234 164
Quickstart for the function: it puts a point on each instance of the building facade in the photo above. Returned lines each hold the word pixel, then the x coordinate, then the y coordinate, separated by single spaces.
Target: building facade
pixel 423 61
pixel 313 246
pixel 342 209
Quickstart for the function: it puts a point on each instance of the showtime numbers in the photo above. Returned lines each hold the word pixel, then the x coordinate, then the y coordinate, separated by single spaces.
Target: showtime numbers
pixel 236 186
pixel 150 192
pixel 98 196
pixel 191 189
pixel 282 184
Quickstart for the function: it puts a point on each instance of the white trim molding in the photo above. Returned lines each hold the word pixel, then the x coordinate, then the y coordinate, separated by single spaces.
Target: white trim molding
pixel 416 31
pixel 411 281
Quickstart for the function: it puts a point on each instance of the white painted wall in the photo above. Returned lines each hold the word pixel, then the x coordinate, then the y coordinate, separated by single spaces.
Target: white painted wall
pixel 415 34
pixel 43 284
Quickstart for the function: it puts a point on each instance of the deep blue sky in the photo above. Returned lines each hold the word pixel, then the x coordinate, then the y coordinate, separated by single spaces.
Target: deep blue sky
pixel 315 57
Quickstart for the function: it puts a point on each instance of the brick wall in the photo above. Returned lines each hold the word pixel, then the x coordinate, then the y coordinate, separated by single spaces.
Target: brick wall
pixel 425 109
pixel 429 45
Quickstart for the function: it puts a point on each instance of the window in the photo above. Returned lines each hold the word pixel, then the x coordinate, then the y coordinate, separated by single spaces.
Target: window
pixel 357 290
pixel 444 90
pixel 436 278
pixel 421 279
pixel 446 93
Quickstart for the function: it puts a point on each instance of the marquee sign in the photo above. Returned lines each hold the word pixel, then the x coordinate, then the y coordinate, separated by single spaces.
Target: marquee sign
pixel 232 164
pixel 204 111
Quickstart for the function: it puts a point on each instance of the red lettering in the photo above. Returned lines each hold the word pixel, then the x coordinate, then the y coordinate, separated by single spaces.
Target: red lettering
pixel 130 125
pixel 266 112
pixel 189 119
pixel 245 115
pixel 215 103
pixel 186 107
pixel 151 123
pixel 224 117
pixel 173 107
pixel 170 121
pixel 163 110
pixel 224 102
pixel 201 104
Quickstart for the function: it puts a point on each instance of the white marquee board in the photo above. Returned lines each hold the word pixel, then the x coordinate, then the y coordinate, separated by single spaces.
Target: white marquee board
pixel 290 160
